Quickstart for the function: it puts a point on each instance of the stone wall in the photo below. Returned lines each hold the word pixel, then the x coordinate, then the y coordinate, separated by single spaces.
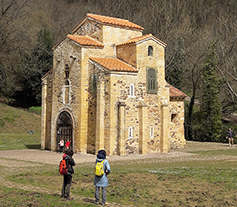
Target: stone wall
pixel 177 139
pixel 111 117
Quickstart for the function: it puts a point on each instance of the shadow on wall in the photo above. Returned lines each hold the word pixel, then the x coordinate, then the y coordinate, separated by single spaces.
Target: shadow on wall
pixel 33 146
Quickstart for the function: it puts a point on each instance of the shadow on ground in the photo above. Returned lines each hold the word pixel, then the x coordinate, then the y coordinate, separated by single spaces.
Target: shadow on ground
pixel 33 146
pixel 89 200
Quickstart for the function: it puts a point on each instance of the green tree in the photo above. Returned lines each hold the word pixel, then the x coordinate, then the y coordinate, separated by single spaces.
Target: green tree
pixel 37 63
pixel 211 107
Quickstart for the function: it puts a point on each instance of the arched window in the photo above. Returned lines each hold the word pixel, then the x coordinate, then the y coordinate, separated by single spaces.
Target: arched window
pixel 66 87
pixel 93 83
pixel 66 71
pixel 151 81
pixel 66 92
pixel 150 51
pixel 131 92
pixel 66 82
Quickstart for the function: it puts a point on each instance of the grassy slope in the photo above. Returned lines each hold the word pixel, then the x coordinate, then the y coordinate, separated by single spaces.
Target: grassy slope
pixel 14 124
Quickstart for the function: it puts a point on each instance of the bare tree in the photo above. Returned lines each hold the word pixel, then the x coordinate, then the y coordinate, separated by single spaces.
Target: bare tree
pixel 11 43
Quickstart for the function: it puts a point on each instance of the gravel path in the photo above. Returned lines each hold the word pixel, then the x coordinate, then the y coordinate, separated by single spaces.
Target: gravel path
pixel 49 157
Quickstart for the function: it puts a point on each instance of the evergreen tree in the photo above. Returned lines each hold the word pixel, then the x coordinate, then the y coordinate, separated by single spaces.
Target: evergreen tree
pixel 36 65
pixel 211 108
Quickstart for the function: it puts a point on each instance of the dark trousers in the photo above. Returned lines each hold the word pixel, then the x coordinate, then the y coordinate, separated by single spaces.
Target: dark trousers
pixel 67 180
pixel 61 149
pixel 97 194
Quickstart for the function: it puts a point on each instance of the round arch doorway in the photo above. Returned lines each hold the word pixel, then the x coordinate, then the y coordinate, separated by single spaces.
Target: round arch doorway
pixel 64 129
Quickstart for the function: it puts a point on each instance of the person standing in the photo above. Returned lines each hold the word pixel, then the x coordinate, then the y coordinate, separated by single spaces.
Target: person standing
pixel 67 145
pixel 101 181
pixel 230 135
pixel 61 145
pixel 67 178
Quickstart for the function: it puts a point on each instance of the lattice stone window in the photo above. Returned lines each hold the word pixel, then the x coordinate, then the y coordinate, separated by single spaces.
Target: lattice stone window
pixel 66 71
pixel 151 81
pixel 130 132
pixel 150 51
pixel 151 132
pixel 93 83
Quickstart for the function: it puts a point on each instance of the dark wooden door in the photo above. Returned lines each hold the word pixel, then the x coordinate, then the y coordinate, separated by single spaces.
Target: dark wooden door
pixel 64 129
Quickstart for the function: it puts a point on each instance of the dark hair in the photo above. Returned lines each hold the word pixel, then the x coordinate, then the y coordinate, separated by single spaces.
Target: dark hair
pixel 69 152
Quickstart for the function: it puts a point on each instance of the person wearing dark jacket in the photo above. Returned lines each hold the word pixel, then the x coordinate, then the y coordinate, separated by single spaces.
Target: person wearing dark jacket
pixel 230 135
pixel 67 178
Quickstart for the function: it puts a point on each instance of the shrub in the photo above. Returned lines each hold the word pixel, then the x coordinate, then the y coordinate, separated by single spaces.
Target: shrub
pixel 35 109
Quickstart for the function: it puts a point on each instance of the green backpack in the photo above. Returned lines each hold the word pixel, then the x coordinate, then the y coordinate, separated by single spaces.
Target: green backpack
pixel 99 168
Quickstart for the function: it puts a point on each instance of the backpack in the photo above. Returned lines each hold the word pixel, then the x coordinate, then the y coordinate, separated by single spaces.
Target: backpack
pixel 99 168
pixel 63 167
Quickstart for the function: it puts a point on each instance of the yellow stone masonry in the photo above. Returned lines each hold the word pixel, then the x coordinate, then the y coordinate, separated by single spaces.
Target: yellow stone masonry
pixel 96 104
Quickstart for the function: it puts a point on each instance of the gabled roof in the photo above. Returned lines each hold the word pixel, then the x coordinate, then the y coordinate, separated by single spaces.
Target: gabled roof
pixel 46 74
pixel 109 21
pixel 174 92
pixel 85 40
pixel 114 64
pixel 137 40
pixel 82 40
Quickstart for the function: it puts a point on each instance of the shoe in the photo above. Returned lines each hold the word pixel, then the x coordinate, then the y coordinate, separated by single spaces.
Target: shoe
pixel 69 198
pixel 97 202
pixel 104 204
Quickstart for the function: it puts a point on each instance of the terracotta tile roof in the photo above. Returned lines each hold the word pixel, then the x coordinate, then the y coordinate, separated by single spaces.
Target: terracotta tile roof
pixel 111 21
pixel 141 38
pixel 174 92
pixel 85 40
pixel 114 64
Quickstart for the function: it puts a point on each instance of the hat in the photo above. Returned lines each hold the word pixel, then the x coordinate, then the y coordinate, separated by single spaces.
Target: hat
pixel 101 154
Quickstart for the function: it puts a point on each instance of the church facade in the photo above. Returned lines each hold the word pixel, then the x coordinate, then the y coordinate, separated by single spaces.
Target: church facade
pixel 107 90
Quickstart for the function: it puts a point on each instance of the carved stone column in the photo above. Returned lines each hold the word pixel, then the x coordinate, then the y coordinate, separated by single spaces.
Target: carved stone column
pixel 121 135
pixel 142 127
pixel 43 114
pixel 100 108
pixel 165 130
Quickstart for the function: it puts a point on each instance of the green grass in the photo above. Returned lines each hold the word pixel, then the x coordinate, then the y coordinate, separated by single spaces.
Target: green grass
pixel 16 197
pixel 232 152
pixel 35 109
pixel 14 125
pixel 19 141
pixel 18 121
pixel 147 184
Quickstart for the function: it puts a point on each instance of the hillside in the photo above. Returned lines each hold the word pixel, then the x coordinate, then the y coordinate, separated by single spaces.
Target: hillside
pixel 13 120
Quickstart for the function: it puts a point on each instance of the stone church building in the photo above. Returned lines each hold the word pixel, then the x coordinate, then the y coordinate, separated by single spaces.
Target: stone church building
pixel 107 90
